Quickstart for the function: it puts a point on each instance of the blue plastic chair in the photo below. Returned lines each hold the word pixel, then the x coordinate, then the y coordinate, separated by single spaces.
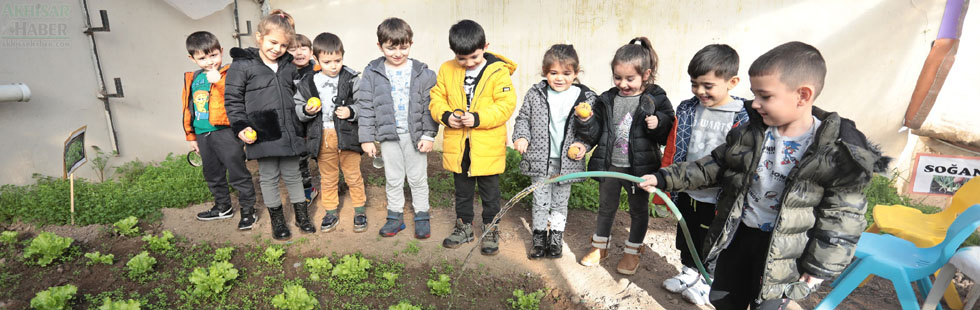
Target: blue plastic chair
pixel 900 261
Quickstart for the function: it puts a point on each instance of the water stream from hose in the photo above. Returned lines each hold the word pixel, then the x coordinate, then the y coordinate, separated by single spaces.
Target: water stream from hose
pixel 587 174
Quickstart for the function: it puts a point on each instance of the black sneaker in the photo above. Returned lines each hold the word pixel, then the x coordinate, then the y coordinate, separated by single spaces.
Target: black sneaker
pixel 218 212
pixel 247 221
pixel 329 222
pixel 360 222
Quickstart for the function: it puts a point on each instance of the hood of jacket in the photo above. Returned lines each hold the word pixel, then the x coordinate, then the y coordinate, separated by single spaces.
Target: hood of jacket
pixel 866 154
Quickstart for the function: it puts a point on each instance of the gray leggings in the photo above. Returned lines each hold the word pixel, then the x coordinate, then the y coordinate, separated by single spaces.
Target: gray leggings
pixel 550 201
pixel 270 169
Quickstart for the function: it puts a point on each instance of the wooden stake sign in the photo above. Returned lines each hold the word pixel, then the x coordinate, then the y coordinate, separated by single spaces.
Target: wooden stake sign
pixel 74 157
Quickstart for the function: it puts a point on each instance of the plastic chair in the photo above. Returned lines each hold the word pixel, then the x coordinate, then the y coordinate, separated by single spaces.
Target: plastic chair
pixel 966 260
pixel 901 261
pixel 926 230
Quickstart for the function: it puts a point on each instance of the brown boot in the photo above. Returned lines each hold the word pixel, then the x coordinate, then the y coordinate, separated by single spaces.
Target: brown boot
pixel 631 258
pixel 598 252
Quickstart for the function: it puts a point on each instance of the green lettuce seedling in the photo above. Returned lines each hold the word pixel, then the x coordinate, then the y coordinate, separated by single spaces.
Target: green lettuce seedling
pixel 440 287
pixel 126 227
pixel 295 297
pixel 99 258
pixel 108 304
pixel 140 265
pixel 54 298
pixel 318 267
pixel 212 282
pixel 48 247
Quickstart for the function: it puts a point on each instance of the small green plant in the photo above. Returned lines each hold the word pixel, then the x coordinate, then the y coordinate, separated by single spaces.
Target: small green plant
pixel 54 298
pixel 99 258
pixel 294 297
pixel 440 287
pixel 160 244
pixel 48 246
pixel 211 282
pixel 530 301
pixel 126 227
pixel 8 237
pixel 101 161
pixel 404 305
pixel 389 279
pixel 223 254
pixel 352 267
pixel 273 255
pixel 318 267
pixel 108 304
pixel 412 247
pixel 140 265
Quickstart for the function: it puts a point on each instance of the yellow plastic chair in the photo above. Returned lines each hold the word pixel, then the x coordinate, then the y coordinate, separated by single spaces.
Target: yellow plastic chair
pixel 926 230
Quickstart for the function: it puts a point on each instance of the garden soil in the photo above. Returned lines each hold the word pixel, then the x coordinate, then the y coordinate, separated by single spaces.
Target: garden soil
pixel 574 286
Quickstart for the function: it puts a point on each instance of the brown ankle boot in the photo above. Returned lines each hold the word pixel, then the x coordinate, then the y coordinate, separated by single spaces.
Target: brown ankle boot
pixel 598 252
pixel 631 258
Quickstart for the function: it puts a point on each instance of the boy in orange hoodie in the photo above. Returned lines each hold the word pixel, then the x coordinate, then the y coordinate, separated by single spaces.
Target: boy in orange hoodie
pixel 207 131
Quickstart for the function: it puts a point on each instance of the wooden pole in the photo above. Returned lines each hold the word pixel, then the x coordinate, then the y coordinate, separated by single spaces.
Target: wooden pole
pixel 72 190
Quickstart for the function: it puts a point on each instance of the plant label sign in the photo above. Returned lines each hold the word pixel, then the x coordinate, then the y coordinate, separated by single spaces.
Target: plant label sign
pixel 74 152
pixel 943 174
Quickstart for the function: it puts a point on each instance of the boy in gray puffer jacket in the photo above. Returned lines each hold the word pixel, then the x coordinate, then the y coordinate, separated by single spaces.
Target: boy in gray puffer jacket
pixel 393 108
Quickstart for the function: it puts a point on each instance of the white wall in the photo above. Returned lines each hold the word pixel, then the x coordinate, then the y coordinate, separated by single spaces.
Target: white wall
pixel 145 48
pixel 874 49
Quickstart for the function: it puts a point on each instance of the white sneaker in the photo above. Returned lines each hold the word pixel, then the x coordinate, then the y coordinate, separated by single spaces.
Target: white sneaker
pixel 698 292
pixel 683 280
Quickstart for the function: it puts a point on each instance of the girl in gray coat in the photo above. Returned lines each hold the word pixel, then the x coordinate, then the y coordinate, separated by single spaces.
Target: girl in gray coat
pixel 544 135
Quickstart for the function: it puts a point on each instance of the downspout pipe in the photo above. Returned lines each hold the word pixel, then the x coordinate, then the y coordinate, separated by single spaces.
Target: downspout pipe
pixel 16 92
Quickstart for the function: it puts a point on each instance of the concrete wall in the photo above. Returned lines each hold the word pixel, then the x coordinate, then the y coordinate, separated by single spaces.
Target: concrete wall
pixel 874 49
pixel 145 48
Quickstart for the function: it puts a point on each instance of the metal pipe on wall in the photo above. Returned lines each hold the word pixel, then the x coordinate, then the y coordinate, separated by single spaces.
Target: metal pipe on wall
pixel 16 92
pixel 113 141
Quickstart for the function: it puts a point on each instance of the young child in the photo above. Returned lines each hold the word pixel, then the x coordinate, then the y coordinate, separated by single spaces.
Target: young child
pixel 474 98
pixel 543 134
pixel 393 103
pixel 206 129
pixel 258 95
pixel 701 125
pixel 629 124
pixel 332 137
pixel 302 50
pixel 791 207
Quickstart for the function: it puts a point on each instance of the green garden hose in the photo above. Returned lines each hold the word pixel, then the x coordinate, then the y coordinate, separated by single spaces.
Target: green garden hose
pixel 658 192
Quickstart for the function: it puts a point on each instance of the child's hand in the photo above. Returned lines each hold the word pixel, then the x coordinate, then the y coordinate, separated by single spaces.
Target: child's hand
pixel 455 122
pixel 468 119
pixel 248 135
pixel 652 122
pixel 424 146
pixel 810 281
pixel 650 183
pixel 520 145
pixel 581 150
pixel 342 112
pixel 312 108
pixel 369 149
pixel 194 147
